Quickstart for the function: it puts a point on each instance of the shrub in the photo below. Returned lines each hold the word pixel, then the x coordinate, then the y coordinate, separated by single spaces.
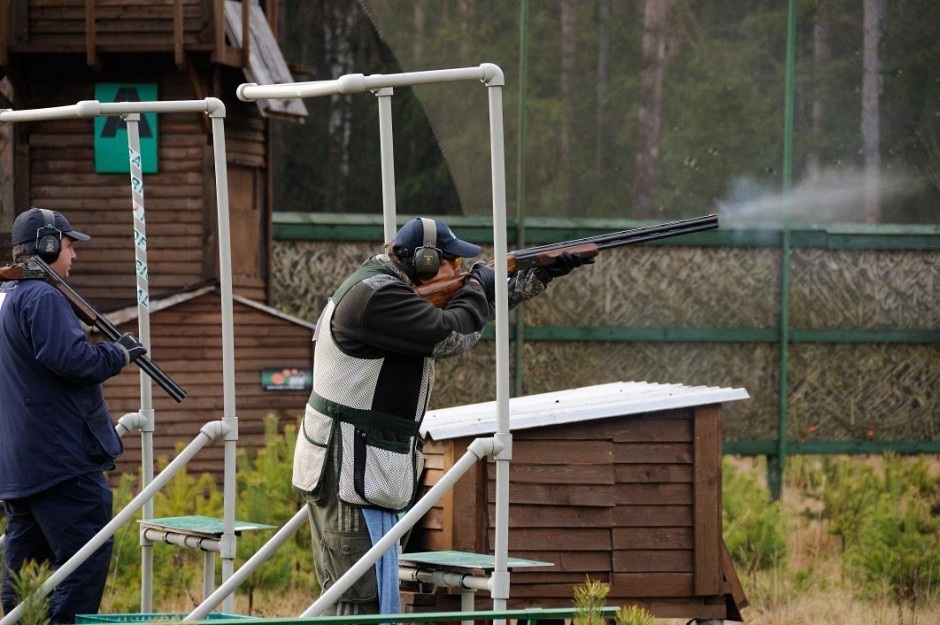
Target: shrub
pixel 754 527
pixel 894 541
pixel 35 609
pixel 634 615
pixel 589 602
pixel 265 495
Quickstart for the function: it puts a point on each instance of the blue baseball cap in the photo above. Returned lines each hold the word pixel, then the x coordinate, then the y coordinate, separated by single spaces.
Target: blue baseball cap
pixel 411 236
pixel 27 225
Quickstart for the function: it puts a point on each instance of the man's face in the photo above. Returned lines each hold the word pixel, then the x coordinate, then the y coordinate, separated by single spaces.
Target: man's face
pixel 63 264
pixel 450 266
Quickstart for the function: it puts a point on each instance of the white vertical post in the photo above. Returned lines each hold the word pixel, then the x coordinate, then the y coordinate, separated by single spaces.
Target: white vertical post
pixel 147 424
pixel 228 350
pixel 493 78
pixel 386 144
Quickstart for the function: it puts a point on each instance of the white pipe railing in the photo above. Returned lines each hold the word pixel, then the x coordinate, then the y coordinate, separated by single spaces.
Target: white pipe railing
pixel 478 449
pixel 358 83
pixel 207 434
pixel 94 108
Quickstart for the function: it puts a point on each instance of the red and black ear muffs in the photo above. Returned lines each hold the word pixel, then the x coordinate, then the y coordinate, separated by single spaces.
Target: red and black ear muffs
pixel 48 238
pixel 427 258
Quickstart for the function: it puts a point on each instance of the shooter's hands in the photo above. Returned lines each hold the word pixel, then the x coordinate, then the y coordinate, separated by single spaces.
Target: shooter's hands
pixel 133 349
pixel 563 265
pixel 486 276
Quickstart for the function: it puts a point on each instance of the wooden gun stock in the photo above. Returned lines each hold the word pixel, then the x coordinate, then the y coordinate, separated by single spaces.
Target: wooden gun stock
pixel 439 290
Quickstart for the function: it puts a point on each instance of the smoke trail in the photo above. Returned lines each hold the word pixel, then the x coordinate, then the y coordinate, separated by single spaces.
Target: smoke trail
pixel 832 197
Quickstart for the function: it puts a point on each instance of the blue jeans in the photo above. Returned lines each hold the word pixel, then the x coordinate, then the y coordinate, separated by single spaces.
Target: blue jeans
pixel 52 526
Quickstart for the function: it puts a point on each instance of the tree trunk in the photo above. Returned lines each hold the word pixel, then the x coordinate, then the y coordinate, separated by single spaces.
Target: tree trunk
pixel 649 117
pixel 567 78
pixel 602 149
pixel 871 97
pixel 417 44
pixel 338 26
pixel 821 55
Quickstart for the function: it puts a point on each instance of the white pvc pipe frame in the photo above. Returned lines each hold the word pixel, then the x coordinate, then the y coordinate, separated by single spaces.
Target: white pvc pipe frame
pixel 215 109
pixel 382 85
pixel 500 446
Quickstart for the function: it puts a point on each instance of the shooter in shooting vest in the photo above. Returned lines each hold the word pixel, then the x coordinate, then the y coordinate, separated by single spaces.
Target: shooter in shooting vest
pixel 358 455
pixel 56 434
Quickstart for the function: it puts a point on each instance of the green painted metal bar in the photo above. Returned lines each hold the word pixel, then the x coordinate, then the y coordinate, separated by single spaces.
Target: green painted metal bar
pixel 796 448
pixel 617 334
pixel 519 313
pixel 776 464
pixel 789 98
pixel 527 614
pixel 360 227
pixel 865 336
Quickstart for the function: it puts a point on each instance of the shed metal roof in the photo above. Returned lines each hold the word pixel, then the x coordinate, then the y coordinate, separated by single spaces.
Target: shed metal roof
pixel 573 405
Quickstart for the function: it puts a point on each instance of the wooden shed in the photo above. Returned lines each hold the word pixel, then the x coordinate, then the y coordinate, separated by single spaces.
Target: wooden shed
pixel 620 482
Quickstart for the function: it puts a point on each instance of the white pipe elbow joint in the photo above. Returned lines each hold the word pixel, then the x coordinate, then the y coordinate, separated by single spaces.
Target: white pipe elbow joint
pixel 493 75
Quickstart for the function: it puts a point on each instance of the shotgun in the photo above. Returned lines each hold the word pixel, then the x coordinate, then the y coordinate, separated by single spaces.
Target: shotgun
pixel 439 290
pixel 37 268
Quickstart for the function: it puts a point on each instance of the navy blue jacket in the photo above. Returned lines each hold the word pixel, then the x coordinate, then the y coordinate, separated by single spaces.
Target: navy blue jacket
pixel 54 424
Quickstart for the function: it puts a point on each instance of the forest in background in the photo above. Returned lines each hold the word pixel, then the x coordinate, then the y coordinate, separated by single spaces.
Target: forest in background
pixel 658 109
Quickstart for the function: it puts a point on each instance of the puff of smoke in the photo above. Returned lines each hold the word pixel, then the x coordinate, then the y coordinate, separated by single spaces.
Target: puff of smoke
pixel 830 197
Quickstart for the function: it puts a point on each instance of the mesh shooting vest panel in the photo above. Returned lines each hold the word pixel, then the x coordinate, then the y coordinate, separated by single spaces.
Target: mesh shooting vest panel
pixel 380 459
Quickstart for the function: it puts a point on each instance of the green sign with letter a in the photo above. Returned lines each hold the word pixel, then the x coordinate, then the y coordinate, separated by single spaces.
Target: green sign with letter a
pixel 111 149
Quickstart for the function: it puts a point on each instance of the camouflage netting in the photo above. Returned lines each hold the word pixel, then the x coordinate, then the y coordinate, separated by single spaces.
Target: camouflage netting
pixel 844 391
pixel 865 290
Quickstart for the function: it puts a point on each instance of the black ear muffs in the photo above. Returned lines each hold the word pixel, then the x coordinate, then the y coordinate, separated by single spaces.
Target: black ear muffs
pixel 427 258
pixel 48 238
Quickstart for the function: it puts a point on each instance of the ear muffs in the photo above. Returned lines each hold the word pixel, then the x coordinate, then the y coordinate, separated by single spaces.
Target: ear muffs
pixel 427 258
pixel 48 238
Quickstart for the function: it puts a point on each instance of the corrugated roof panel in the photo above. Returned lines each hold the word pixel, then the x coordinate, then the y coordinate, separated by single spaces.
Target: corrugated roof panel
pixel 573 405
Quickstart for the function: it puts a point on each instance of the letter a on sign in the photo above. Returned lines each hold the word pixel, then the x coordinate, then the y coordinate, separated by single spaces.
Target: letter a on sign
pixel 112 152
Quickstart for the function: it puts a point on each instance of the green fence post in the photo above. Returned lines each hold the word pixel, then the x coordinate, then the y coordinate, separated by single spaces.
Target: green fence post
pixel 776 464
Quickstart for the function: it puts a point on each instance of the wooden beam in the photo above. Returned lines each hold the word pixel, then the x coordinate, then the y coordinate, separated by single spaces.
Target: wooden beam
pixel 91 50
pixel 246 32
pixel 707 499
pixel 6 30
pixel 20 21
pixel 179 54
pixel 218 25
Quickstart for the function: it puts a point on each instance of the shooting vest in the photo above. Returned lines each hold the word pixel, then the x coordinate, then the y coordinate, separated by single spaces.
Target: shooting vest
pixel 379 461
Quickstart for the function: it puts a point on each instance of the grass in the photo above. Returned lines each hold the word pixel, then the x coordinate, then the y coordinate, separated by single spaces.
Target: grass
pixel 812 584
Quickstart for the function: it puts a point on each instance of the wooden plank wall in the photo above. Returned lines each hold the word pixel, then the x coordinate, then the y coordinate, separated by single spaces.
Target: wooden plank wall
pixel 62 177
pixel 187 344
pixel 179 200
pixel 141 25
pixel 633 501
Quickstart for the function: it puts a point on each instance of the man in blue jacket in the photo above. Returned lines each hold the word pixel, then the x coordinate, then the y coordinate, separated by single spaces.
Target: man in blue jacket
pixel 56 434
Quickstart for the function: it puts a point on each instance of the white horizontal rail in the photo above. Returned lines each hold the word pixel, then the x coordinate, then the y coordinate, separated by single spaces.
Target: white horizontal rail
pixel 93 108
pixel 488 73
